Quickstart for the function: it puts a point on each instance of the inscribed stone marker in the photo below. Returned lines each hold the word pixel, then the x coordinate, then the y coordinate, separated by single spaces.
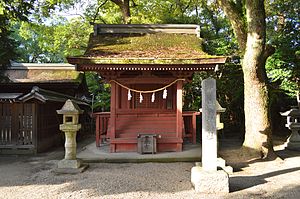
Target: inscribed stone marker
pixel 209 131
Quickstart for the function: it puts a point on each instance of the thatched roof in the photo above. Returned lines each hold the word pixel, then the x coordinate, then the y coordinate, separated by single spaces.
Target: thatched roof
pixel 43 73
pixel 159 45
pixel 143 45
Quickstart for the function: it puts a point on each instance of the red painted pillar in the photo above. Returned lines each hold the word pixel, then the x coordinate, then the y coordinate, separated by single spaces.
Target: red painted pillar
pixel 194 127
pixel 113 116
pixel 98 131
pixel 179 114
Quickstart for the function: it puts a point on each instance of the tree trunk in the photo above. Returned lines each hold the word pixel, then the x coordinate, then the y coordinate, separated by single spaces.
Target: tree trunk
pixel 126 12
pixel 125 9
pixel 257 119
pixel 258 142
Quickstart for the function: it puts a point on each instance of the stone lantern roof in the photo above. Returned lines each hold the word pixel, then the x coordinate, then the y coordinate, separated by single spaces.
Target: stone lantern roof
pixel 292 112
pixel 70 108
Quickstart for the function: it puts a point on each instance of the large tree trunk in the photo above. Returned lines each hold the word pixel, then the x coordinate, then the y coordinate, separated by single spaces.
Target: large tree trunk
pixel 251 37
pixel 257 120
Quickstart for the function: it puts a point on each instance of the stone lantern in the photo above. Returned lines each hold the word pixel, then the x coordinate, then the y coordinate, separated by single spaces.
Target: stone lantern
pixel 293 123
pixel 219 110
pixel 70 126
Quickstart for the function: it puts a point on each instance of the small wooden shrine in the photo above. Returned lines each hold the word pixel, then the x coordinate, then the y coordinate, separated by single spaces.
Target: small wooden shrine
pixel 28 103
pixel 146 66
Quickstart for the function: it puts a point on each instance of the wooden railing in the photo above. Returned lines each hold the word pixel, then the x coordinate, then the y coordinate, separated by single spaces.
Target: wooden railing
pixel 189 121
pixel 102 126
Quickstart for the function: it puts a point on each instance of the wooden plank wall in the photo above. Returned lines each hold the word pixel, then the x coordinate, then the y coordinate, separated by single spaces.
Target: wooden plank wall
pixel 17 135
pixel 25 133
pixel 5 124
pixel 130 125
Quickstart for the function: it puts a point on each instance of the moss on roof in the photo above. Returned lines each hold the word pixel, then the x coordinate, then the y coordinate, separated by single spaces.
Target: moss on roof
pixel 159 45
pixel 59 75
pixel 44 75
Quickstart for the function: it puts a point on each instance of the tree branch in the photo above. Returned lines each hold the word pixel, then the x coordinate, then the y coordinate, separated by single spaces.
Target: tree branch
pixel 236 17
pixel 133 3
pixel 118 2
pixel 97 12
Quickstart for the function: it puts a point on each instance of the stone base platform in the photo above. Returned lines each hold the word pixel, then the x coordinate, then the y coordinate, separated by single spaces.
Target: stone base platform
pixel 209 181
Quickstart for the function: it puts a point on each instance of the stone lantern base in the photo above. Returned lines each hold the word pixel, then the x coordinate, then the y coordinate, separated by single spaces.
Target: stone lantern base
pixel 72 164
pixel 70 167
pixel 293 142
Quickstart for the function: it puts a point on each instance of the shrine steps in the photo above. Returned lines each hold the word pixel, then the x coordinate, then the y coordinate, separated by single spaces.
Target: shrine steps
pixel 134 134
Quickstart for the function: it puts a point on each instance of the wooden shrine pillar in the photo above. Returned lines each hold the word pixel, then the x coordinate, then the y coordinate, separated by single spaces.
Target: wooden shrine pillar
pixel 179 113
pixel 113 106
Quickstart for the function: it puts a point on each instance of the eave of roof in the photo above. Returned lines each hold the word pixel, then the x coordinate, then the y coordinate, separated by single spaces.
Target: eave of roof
pixel 149 61
pixel 9 97
pixel 95 64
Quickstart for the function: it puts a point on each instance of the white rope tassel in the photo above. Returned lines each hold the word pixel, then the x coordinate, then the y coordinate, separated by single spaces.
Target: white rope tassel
pixel 165 93
pixel 153 97
pixel 129 95
pixel 141 97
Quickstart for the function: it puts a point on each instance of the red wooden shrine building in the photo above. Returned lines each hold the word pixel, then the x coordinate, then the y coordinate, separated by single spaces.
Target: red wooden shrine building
pixel 146 66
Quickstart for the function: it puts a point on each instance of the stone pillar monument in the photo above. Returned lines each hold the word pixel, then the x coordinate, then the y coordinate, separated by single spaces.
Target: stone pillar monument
pixel 209 128
pixel 208 179
pixel 70 126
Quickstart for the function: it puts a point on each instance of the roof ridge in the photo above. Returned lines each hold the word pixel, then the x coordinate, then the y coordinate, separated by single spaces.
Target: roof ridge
pixel 147 28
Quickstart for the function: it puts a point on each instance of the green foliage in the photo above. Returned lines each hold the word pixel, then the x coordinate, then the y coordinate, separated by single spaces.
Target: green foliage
pixel 108 13
pixel 216 31
pixel 11 11
pixel 100 92
pixel 230 94
pixel 283 66
pixel 7 44
pixel 41 43
pixel 155 11
pixel 17 11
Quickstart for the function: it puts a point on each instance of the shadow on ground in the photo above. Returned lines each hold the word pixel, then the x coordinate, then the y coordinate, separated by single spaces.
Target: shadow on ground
pixel 238 183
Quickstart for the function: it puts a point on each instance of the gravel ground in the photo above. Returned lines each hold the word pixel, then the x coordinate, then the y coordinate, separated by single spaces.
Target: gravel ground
pixel 33 177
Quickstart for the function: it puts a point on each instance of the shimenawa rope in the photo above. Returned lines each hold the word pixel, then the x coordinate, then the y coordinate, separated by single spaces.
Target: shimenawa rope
pixel 148 91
